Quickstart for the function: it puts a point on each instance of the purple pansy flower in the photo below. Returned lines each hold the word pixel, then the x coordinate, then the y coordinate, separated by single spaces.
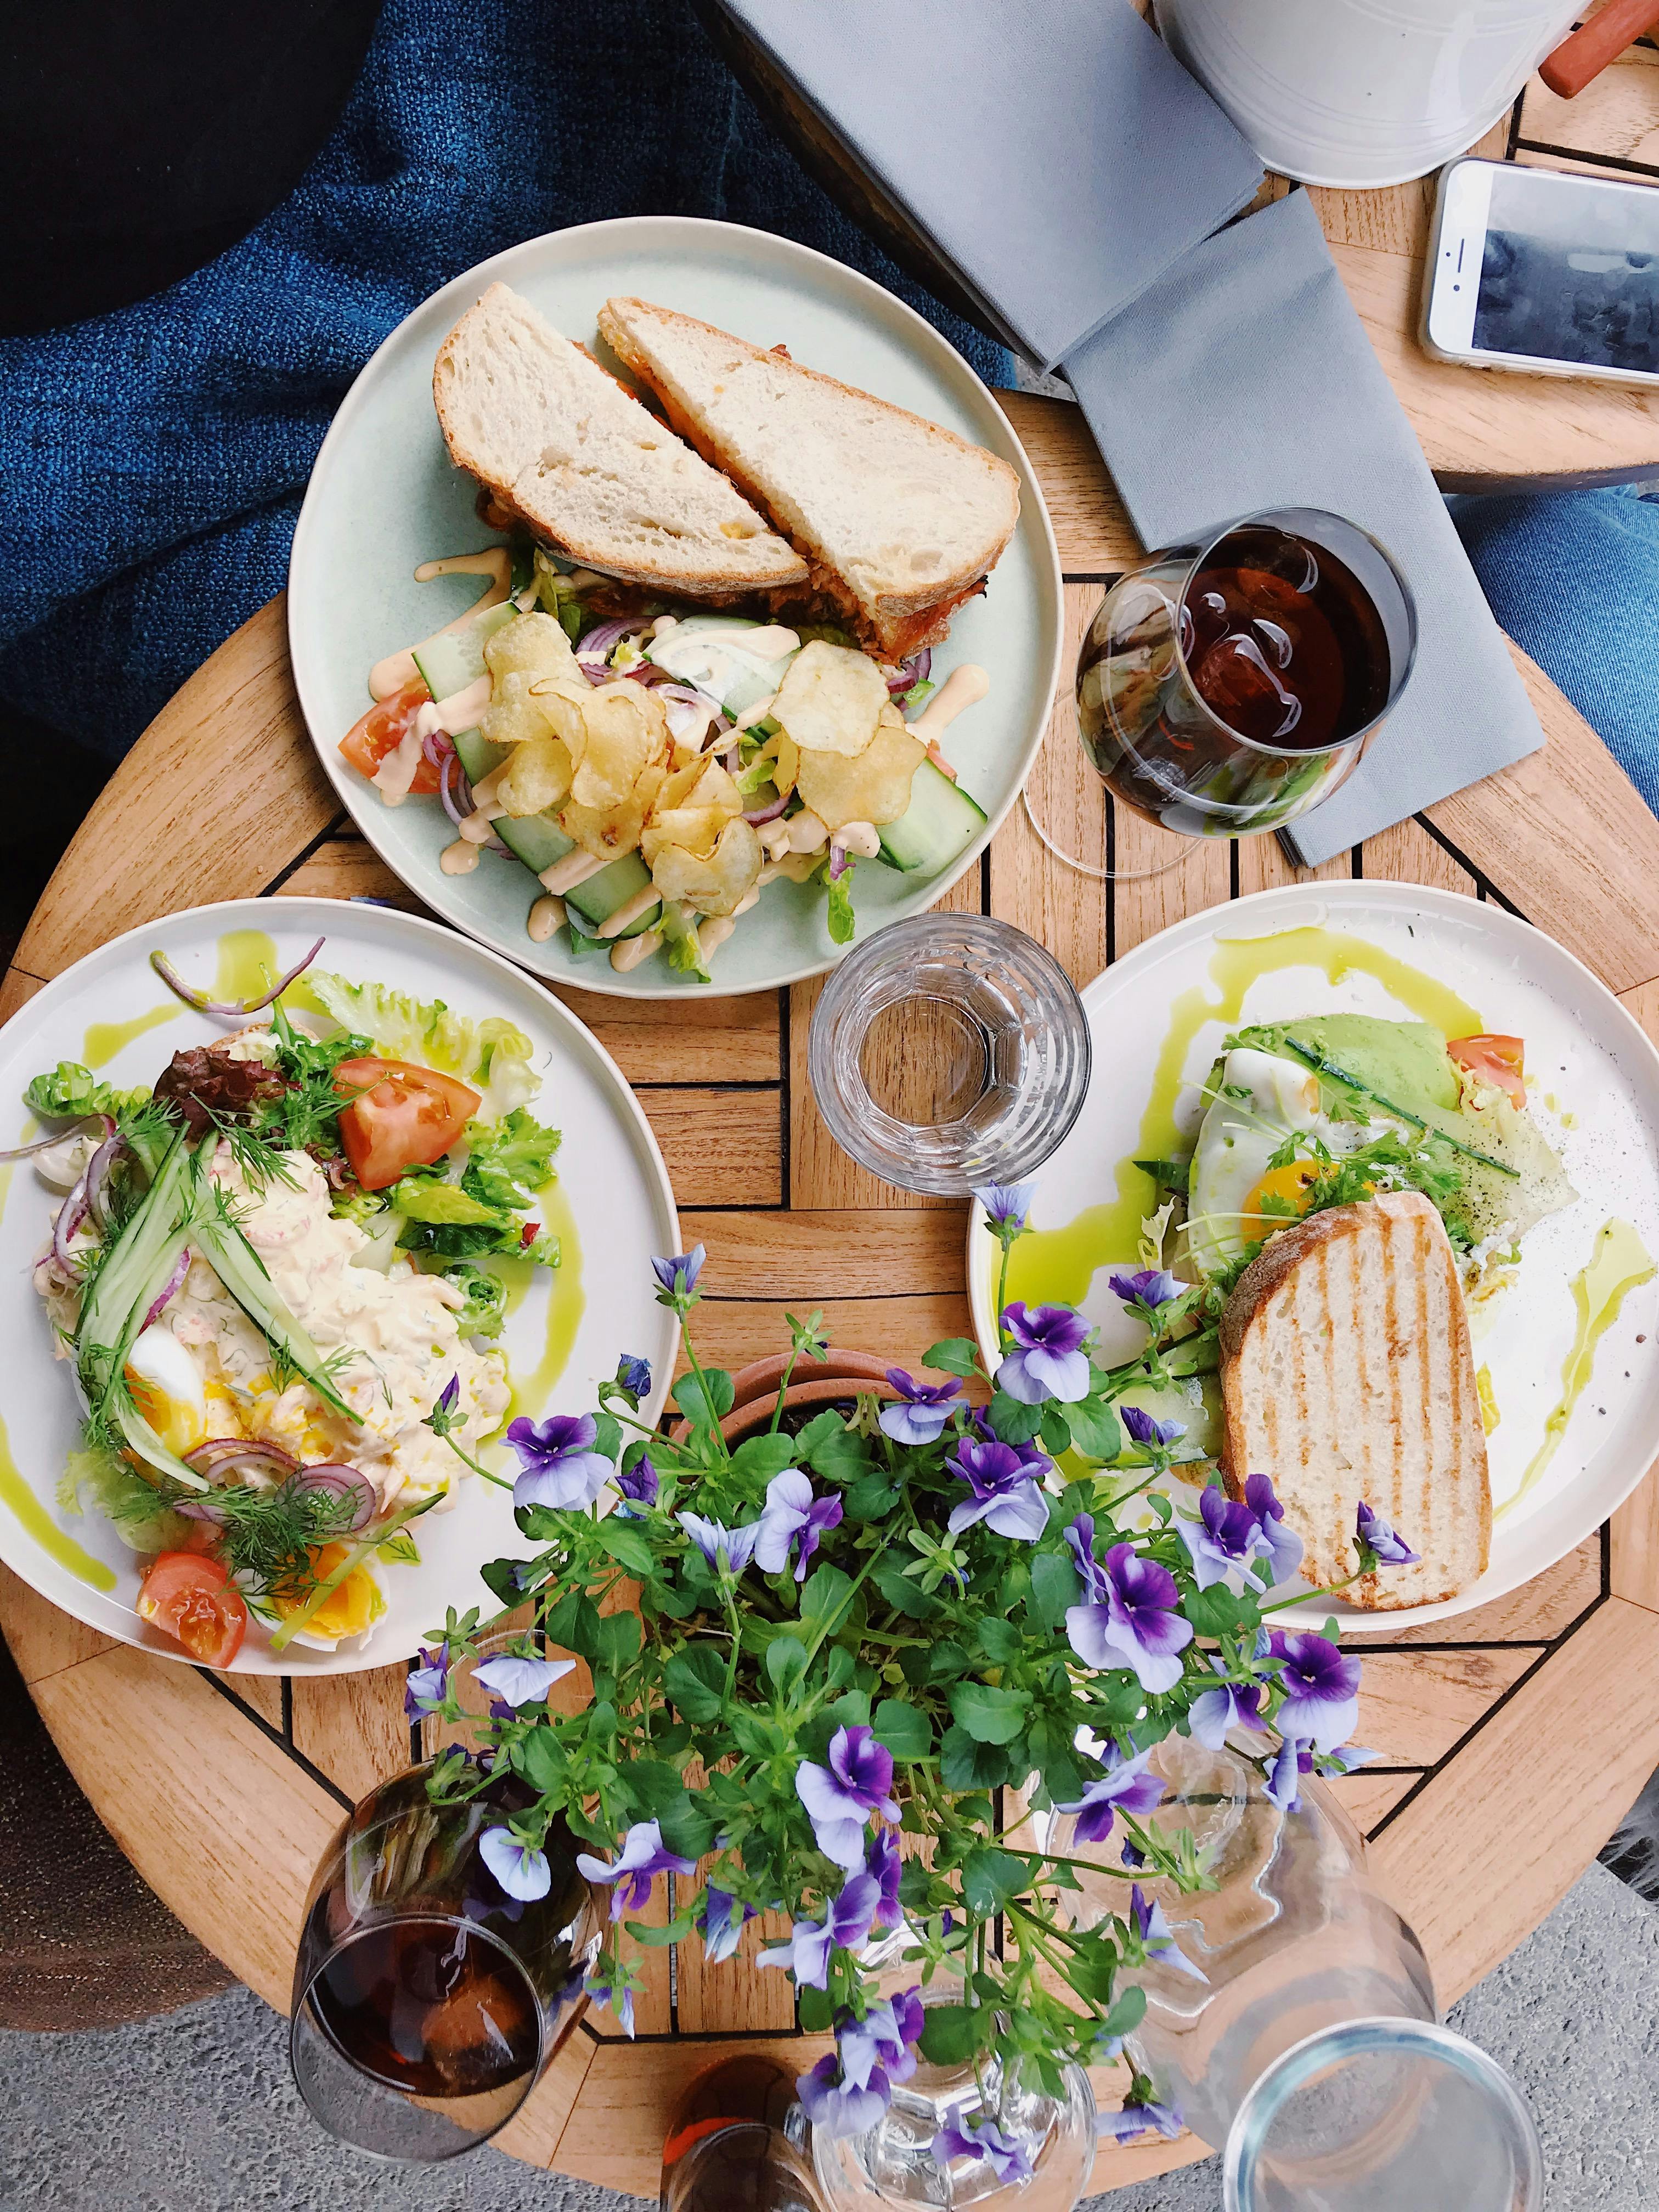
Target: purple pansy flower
pixel 1048 1360
pixel 1283 1787
pixel 886 1866
pixel 884 2038
pixel 1156 1937
pixel 1152 1286
pixel 678 1274
pixel 1125 1788
pixel 836 2109
pixel 427 1684
pixel 1130 1619
pixel 1345 1758
pixel 1132 1856
pixel 447 1399
pixel 845 1927
pixel 1234 1704
pixel 639 1484
pixel 1282 1544
pixel 643 1856
pixel 954 2139
pixel 1226 1536
pixel 792 1518
pixel 516 1680
pixel 604 1993
pixel 634 1374
pixel 840 1797
pixel 711 1539
pixel 1006 1495
pixel 720 1920
pixel 1006 1204
pixel 1374 1532
pixel 923 1410
pixel 521 1868
pixel 1146 1431
pixel 1131 2120
pixel 558 1465
pixel 1322 1689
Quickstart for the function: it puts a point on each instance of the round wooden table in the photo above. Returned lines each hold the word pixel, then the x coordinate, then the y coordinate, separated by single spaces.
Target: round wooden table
pixel 225 1791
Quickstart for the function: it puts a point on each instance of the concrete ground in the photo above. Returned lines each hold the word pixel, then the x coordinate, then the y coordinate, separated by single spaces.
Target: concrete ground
pixel 195 2112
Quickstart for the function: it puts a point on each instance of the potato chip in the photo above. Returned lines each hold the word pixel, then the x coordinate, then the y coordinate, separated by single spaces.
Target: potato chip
pixel 609 832
pixel 512 715
pixel 716 884
pixel 787 754
pixel 537 775
pixel 874 788
pixel 530 645
pixel 693 828
pixel 830 700
pixel 627 733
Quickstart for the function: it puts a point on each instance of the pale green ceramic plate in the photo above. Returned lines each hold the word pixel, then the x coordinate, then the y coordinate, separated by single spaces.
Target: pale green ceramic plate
pixel 384 497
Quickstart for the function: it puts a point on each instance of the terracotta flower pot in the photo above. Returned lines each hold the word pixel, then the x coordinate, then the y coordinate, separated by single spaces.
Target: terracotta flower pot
pixel 839 1375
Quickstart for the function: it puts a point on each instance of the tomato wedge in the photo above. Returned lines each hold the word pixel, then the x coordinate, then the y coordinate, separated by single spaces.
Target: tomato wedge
pixel 402 1117
pixel 1499 1060
pixel 383 729
pixel 194 1599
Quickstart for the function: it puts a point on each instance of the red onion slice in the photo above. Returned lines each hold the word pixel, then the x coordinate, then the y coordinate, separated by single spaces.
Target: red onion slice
pixel 71 1214
pixel 180 1270
pixel 438 746
pixel 916 670
pixel 228 1007
pixel 34 1144
pixel 222 1457
pixel 455 790
pixel 838 861
pixel 759 814
pixel 605 638
pixel 98 1168
pixel 342 1481
pixel 199 1509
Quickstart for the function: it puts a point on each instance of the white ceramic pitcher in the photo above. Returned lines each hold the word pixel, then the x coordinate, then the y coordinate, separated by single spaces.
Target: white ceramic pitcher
pixel 1363 91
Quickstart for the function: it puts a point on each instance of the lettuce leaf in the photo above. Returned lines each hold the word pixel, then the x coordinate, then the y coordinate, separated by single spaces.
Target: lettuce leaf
pixel 509 1160
pixel 142 1520
pixel 491 1054
pixel 484 1313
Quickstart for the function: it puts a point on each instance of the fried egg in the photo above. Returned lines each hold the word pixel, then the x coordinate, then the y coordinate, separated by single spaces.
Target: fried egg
pixel 349 1611
pixel 1260 1101
pixel 168 1389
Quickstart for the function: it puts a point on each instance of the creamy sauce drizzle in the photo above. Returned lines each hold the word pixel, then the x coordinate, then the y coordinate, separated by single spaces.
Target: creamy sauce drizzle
pixel 390 675
pixel 546 915
pixel 460 859
pixel 963 687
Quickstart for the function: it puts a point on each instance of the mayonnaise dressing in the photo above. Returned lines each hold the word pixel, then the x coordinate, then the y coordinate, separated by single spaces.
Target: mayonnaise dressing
pixel 963 687
pixel 396 772
pixel 390 675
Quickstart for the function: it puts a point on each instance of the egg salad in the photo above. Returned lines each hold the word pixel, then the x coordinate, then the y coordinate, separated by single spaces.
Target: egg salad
pixel 273 1276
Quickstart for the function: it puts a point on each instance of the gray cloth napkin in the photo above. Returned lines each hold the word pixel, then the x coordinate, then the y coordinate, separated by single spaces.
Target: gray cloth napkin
pixel 1244 379
pixel 1054 151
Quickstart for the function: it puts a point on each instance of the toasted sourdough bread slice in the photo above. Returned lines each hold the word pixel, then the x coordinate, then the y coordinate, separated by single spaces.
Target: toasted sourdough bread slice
pixel 557 442
pixel 1347 1374
pixel 901 520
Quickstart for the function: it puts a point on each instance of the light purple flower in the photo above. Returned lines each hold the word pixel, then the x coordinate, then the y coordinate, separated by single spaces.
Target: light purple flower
pixel 884 2038
pixel 1006 1495
pixel 1048 1360
pixel 720 1920
pixel 1283 1787
pixel 1234 1704
pixel 1130 1619
pixel 711 1539
pixel 519 1681
pixel 1007 2159
pixel 1156 1937
pixel 558 1465
pixel 639 1484
pixel 1225 1537
pixel 1345 1758
pixel 643 1856
pixel 1125 1788
pixel 793 1517
pixel 678 1275
pixel 845 1927
pixel 604 1993
pixel 1375 1533
pixel 1146 1431
pixel 886 1866
pixel 1006 1204
pixel 1283 1545
pixel 1152 1286
pixel 923 1410
pixel 1321 1686
pixel 835 2110
pixel 1131 2120
pixel 427 1684
pixel 521 1868
pixel 840 1797
pixel 634 1374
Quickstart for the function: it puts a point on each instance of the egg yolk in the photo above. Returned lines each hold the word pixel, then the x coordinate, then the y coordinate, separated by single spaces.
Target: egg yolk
pixel 348 1611
pixel 179 1424
pixel 1282 1185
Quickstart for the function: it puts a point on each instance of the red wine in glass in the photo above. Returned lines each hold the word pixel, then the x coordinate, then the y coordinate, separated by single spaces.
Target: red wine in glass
pixel 430 2007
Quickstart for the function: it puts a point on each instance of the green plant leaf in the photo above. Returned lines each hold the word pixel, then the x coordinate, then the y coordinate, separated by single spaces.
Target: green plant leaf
pixel 989 1716
pixel 991 1877
pixel 953 1355
pixel 628 1545
pixel 840 1456
pixel 816 2009
pixel 829 1423
pixel 952 2034
pixel 759 1458
pixel 688 1397
pixel 903 1594
pixel 869 1499
pixel 694 1679
pixel 574 1625
pixel 1126 2013
pixel 999 1639
pixel 1213 1612
pixel 1096 1430
pixel 785 1661
pixel 965 1764
pixel 656 1939
pixel 687 1829
pixel 1054 1430
pixel 824 1598
pixel 906 1733
pixel 1012 1420
pixel 1056 1586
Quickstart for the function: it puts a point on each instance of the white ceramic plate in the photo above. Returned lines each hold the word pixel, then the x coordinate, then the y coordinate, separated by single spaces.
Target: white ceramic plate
pixel 1584 1053
pixel 614 1183
pixel 384 497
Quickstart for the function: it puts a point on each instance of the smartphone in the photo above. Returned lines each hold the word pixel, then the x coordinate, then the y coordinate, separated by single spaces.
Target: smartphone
pixel 1542 271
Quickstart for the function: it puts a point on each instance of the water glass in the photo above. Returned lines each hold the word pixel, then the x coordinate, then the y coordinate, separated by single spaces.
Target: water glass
pixel 949 1051
pixel 1378 2114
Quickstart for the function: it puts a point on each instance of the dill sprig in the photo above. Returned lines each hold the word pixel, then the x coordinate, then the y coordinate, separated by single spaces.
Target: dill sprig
pixel 269 1536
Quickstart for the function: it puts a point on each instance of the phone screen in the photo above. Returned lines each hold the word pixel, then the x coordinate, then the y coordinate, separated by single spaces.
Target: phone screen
pixel 1570 272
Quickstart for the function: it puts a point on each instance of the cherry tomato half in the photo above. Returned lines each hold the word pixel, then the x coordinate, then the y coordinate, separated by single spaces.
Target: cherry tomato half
pixel 402 1117
pixel 194 1599
pixel 1497 1060
pixel 384 728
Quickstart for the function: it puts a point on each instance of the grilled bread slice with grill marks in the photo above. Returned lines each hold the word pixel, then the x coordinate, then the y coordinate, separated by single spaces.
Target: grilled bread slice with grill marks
pixel 1346 1375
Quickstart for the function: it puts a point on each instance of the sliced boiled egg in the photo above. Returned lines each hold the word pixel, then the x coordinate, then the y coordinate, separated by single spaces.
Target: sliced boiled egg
pixel 1260 1101
pixel 168 1389
pixel 351 1610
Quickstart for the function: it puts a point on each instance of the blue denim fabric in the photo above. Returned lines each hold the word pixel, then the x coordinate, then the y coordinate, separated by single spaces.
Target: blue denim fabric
pixel 152 461
pixel 1574 579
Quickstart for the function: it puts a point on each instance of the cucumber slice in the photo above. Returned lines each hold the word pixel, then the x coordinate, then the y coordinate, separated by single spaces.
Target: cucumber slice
pixel 940 822
pixel 736 678
pixel 598 899
pixel 537 839
pixel 454 659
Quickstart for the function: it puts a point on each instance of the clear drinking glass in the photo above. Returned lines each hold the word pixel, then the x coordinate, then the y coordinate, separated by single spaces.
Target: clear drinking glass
pixel 949 1051
pixel 1378 2115
pixel 1229 685
pixel 427 2002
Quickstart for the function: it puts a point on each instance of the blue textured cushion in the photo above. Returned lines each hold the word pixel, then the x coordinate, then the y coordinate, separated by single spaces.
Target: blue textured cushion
pixel 152 459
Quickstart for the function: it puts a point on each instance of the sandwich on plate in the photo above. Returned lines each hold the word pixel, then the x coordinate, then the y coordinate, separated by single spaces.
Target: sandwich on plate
pixel 654 763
